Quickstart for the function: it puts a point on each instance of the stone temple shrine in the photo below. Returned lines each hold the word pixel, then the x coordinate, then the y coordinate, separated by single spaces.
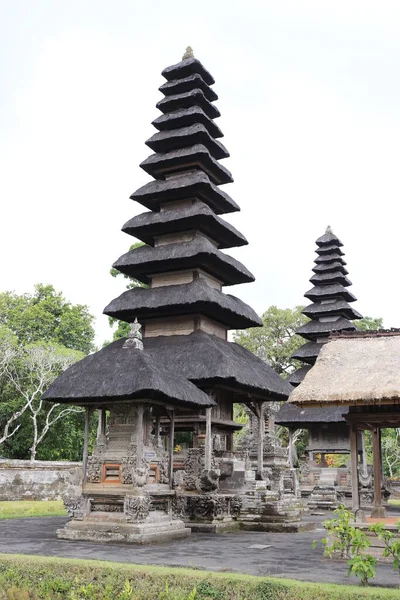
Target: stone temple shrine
pixel 179 376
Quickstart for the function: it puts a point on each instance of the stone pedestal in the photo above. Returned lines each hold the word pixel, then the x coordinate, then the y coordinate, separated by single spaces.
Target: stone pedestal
pixel 323 497
pixel 209 513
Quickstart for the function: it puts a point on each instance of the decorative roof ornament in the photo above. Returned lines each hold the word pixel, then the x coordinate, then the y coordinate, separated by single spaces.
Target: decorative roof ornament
pixel 134 339
pixel 188 53
pixel 329 230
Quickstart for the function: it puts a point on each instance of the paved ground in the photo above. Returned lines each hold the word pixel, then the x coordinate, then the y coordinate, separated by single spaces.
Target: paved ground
pixel 289 555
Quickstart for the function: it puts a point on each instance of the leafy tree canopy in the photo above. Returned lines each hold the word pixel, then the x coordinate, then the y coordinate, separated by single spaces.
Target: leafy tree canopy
pixel 369 323
pixel 276 340
pixel 46 316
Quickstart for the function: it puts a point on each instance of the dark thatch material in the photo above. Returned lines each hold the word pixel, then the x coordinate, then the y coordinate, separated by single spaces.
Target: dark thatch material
pixel 330 291
pixel 186 159
pixel 332 248
pixel 185 299
pixel 337 307
pixel 143 262
pixel 194 97
pixel 335 277
pixel 290 415
pixel 330 257
pixel 199 216
pixel 116 374
pixel 179 86
pixel 314 329
pixel 192 185
pixel 330 266
pixel 308 352
pixel 298 376
pixel 165 141
pixel 186 117
pixel 217 361
pixel 327 239
pixel 185 68
pixel 354 370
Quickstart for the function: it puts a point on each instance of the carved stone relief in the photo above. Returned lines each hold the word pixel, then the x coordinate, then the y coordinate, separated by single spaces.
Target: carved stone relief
pixel 136 508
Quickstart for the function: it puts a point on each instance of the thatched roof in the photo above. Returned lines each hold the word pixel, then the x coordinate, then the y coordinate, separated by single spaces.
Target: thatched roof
pixel 186 159
pixel 187 67
pixel 335 277
pixel 116 374
pixel 165 141
pixel 170 103
pixel 336 307
pixel 186 117
pixel 199 252
pixel 326 267
pixel 290 415
pixel 179 86
pixel 363 368
pixel 313 329
pixel 199 216
pixel 308 352
pixel 193 185
pixel 329 238
pixel 186 299
pixel 332 256
pixel 297 376
pixel 333 290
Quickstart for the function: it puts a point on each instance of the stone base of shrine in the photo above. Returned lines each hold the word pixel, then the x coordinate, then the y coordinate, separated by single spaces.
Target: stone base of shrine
pixel 276 526
pixel 214 527
pixel 114 528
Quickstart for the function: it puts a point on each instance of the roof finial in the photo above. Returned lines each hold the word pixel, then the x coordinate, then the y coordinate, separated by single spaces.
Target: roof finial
pixel 329 230
pixel 134 339
pixel 188 53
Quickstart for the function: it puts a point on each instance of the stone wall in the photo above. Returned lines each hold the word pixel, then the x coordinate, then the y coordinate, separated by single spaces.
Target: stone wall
pixel 41 480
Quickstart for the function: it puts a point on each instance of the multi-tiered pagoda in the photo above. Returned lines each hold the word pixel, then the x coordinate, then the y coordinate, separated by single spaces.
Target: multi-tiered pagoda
pixel 184 312
pixel 329 312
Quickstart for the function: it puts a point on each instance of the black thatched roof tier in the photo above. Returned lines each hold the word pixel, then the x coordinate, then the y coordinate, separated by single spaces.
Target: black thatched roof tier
pixel 186 159
pixel 330 291
pixel 198 217
pixel 217 362
pixel 186 84
pixel 331 248
pixel 334 277
pixel 186 100
pixel 199 252
pixel 298 376
pixel 328 238
pixel 193 185
pixel 165 141
pixel 332 256
pixel 290 415
pixel 337 307
pixel 185 68
pixel 327 267
pixel 314 329
pixel 185 299
pixel 117 374
pixel 308 352
pixel 186 117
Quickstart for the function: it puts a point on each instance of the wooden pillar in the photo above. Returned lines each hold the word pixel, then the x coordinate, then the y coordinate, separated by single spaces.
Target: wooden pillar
pixel 260 444
pixel 157 430
pixel 88 412
pixel 355 493
pixel 139 436
pixel 291 447
pixel 208 442
pixel 171 415
pixel 363 454
pixel 377 510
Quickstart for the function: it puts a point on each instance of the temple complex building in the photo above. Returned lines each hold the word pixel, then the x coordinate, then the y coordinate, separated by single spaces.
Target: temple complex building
pixel 329 312
pixel 185 316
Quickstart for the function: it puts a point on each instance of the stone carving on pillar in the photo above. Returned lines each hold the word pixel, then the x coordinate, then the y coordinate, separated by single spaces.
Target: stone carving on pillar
pixel 179 506
pixel 207 507
pixel 235 506
pixel 209 480
pixel 94 466
pixel 139 476
pixel 134 339
pixel 77 506
pixel 136 508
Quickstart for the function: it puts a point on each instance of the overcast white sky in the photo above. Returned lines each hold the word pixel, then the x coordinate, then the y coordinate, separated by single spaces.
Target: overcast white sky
pixel 310 101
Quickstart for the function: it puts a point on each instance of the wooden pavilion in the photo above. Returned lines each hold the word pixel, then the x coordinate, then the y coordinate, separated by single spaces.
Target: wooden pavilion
pixel 360 370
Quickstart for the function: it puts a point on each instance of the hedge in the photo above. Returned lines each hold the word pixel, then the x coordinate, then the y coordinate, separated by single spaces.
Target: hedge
pixel 44 578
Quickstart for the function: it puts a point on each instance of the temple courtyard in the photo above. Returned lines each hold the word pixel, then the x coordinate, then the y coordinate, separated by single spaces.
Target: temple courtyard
pixel 287 555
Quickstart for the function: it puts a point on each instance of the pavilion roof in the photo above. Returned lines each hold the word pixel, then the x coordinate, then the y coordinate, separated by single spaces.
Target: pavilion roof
pixel 352 369
pixel 291 415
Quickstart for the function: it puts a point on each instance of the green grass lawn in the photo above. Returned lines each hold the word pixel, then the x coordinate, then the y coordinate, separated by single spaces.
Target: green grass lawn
pixel 32 508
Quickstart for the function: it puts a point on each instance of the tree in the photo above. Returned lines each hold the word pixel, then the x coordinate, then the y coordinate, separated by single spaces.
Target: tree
pixel 123 328
pixel 276 340
pixel 46 316
pixel 369 323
